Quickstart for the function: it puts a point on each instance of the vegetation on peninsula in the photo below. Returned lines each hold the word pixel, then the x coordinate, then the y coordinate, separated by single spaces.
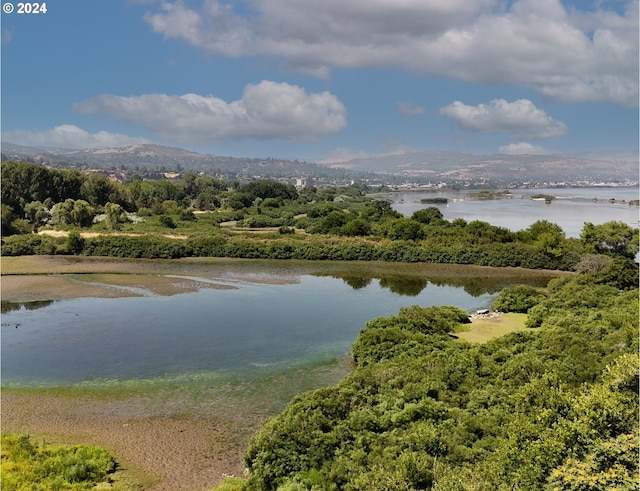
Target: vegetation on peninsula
pixel 551 408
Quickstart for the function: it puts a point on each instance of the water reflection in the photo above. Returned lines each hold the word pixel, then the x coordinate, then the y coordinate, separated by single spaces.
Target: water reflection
pixel 355 282
pixel 12 306
pixel 404 285
pixel 569 208
pixel 412 286
pixel 294 319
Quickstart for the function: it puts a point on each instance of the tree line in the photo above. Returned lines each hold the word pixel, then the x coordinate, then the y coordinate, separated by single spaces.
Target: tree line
pixel 334 223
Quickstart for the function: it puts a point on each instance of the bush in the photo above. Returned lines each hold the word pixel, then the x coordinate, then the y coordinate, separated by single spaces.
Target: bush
pixel 25 466
pixel 519 298
pixel 166 221
pixel 74 243
pixel 25 245
pixel 286 230
pixel 421 410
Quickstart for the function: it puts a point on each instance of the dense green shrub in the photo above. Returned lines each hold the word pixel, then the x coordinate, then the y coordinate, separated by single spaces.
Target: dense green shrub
pixel 546 409
pixel 166 221
pixel 20 245
pixel 428 215
pixel 27 467
pixel 519 298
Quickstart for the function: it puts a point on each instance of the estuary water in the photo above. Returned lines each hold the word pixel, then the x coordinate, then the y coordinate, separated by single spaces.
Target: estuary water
pixel 286 320
pixel 252 327
pixel 570 209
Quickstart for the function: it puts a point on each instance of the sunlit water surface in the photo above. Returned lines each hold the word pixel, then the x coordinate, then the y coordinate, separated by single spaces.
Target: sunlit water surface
pixel 570 209
pixel 251 327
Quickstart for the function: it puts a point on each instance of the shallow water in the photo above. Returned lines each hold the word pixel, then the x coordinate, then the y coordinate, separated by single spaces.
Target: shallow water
pixel 289 321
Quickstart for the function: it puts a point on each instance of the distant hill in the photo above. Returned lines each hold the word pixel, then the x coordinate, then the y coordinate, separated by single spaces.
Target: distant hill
pixel 455 166
pixel 150 157
pixel 418 166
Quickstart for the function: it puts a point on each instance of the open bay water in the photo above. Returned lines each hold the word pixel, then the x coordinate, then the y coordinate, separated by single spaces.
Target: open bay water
pixel 252 328
pixel 570 209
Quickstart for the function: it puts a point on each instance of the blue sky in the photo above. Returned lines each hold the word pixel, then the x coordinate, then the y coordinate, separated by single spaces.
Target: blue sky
pixel 325 80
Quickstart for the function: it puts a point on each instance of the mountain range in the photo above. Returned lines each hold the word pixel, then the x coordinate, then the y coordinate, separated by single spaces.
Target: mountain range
pixel 415 166
pixel 456 166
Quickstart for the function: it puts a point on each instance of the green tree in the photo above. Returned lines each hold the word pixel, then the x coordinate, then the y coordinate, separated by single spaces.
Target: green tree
pixel 550 243
pixel 539 227
pixel 61 213
pixel 115 216
pixel 611 237
pixel 519 298
pixel 404 229
pixel 75 242
pixel 333 222
pixel 82 213
pixel 428 216
pixel 6 219
pixel 166 221
pixel 356 227
pixel 37 213
pixel 239 200
pixel 379 208
pixel 269 189
pixel 99 190
pixel 622 273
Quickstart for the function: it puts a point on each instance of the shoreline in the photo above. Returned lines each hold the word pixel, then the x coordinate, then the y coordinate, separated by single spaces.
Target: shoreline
pixel 161 452
pixel 36 278
pixel 178 436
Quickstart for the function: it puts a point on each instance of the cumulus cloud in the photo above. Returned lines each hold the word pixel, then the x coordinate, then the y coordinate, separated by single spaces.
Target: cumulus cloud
pixel 563 53
pixel 520 118
pixel 266 110
pixel 409 109
pixel 522 148
pixel 70 136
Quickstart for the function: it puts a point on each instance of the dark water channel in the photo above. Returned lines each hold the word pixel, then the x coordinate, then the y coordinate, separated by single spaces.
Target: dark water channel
pixel 282 322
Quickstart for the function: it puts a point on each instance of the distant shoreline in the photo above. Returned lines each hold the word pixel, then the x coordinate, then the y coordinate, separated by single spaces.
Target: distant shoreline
pixel 37 278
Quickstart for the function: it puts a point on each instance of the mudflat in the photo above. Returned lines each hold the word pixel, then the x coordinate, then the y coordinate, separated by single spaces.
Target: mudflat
pixel 158 451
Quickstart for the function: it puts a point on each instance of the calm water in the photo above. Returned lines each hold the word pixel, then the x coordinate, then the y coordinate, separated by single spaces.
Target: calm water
pixel 250 328
pixel 570 210
pixel 256 327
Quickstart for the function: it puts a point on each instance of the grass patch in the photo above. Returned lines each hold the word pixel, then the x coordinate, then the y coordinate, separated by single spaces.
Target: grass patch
pixel 483 330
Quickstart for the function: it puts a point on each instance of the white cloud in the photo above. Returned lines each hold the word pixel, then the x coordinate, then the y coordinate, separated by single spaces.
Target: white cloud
pixel 266 110
pixel 520 118
pixel 216 29
pixel 409 109
pixel 563 53
pixel 522 148
pixel 70 136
